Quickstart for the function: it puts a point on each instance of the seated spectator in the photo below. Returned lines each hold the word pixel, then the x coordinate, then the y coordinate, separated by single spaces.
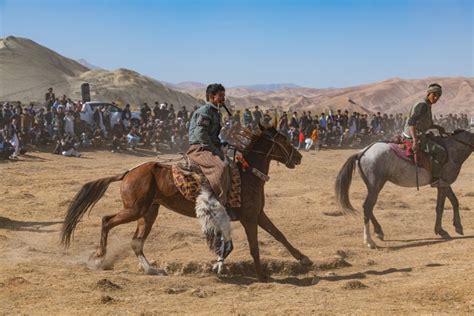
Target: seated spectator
pixel 69 147
pixel 118 143
pixel 85 140
pixel 133 138
pixel 6 149
pixel 97 137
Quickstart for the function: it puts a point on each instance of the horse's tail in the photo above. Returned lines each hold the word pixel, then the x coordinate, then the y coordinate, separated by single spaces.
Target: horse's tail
pixel 343 183
pixel 84 200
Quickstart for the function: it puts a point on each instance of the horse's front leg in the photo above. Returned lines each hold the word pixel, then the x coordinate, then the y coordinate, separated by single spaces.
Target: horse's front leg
pixel 269 227
pixel 252 237
pixel 442 192
pixel 456 217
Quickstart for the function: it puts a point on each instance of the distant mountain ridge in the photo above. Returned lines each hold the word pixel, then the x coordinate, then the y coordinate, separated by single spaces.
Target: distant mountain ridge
pixel 86 64
pixel 268 87
pixel 393 96
pixel 27 69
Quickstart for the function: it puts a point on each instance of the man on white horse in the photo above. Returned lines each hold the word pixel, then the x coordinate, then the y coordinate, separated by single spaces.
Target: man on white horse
pixel 419 121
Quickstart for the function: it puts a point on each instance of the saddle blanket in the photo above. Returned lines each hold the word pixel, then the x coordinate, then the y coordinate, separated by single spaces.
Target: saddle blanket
pixel 189 185
pixel 403 150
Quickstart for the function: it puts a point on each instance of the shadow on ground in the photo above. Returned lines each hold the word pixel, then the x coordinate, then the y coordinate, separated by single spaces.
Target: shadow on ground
pixel 10 224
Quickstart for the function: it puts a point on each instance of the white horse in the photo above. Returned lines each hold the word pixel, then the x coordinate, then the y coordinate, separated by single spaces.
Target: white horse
pixel 378 164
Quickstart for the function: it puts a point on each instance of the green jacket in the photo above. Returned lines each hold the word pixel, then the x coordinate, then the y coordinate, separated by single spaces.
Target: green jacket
pixel 205 127
pixel 419 116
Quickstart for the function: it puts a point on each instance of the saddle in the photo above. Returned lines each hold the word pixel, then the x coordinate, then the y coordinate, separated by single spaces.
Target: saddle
pixel 189 179
pixel 402 147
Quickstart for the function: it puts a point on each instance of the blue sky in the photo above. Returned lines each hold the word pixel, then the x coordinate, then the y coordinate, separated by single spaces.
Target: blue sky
pixel 311 43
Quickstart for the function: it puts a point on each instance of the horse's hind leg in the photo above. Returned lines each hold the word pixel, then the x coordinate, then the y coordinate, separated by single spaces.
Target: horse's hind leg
pixel 377 228
pixel 369 204
pixel 144 226
pixel 126 215
pixel 442 192
pixel 269 227
pixel 456 218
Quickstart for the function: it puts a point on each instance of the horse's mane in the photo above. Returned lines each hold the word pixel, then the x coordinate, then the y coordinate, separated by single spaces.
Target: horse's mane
pixel 242 138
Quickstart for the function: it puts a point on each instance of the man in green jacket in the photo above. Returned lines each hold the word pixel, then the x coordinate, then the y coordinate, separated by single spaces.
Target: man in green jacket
pixel 419 121
pixel 206 151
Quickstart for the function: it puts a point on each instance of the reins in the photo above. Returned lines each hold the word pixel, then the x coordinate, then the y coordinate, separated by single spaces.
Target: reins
pixel 288 155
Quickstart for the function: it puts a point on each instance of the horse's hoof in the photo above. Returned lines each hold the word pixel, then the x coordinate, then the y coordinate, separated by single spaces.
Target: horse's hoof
pixel 96 261
pixel 372 245
pixel 459 230
pixel 155 271
pixel 306 261
pixel 218 268
pixel 444 234
pixel 380 236
pixel 264 278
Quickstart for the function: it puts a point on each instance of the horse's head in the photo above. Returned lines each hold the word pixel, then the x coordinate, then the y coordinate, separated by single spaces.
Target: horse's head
pixel 265 141
pixel 276 146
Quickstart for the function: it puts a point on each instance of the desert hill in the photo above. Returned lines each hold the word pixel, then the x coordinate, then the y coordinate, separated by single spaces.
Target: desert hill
pixel 27 69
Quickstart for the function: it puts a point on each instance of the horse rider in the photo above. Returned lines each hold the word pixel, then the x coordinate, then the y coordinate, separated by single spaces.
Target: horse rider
pixel 420 120
pixel 206 151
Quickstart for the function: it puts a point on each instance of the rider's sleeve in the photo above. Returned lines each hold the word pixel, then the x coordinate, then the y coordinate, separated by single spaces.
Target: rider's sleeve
pixel 418 112
pixel 203 122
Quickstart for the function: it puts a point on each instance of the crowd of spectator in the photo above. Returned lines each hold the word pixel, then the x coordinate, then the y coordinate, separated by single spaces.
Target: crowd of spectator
pixel 340 128
pixel 161 127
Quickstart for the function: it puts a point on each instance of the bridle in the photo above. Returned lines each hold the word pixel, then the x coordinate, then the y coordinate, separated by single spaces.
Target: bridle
pixel 288 155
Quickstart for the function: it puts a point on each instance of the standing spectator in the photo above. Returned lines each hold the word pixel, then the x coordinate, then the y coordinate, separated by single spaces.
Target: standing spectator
pixel 171 113
pixel 107 122
pixel 69 123
pixel 283 124
pixel 302 123
pixel 156 111
pixel 323 122
pixel 314 136
pixel 236 118
pixel 301 139
pixel 59 123
pixel 183 114
pixel 294 121
pixel 164 112
pixel 145 112
pixel 126 116
pixel 257 116
pixel 248 119
pixel 267 118
pixel 14 137
pixel 49 98
pixel 48 117
pixel 99 118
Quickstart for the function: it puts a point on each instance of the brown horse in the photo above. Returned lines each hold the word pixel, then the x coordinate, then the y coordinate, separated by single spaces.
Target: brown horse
pixel 150 185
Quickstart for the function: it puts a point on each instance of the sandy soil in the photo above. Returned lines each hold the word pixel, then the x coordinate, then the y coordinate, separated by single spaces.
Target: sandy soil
pixel 412 272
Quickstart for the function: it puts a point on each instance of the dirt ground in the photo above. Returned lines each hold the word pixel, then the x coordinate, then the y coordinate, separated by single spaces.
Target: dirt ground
pixel 412 272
